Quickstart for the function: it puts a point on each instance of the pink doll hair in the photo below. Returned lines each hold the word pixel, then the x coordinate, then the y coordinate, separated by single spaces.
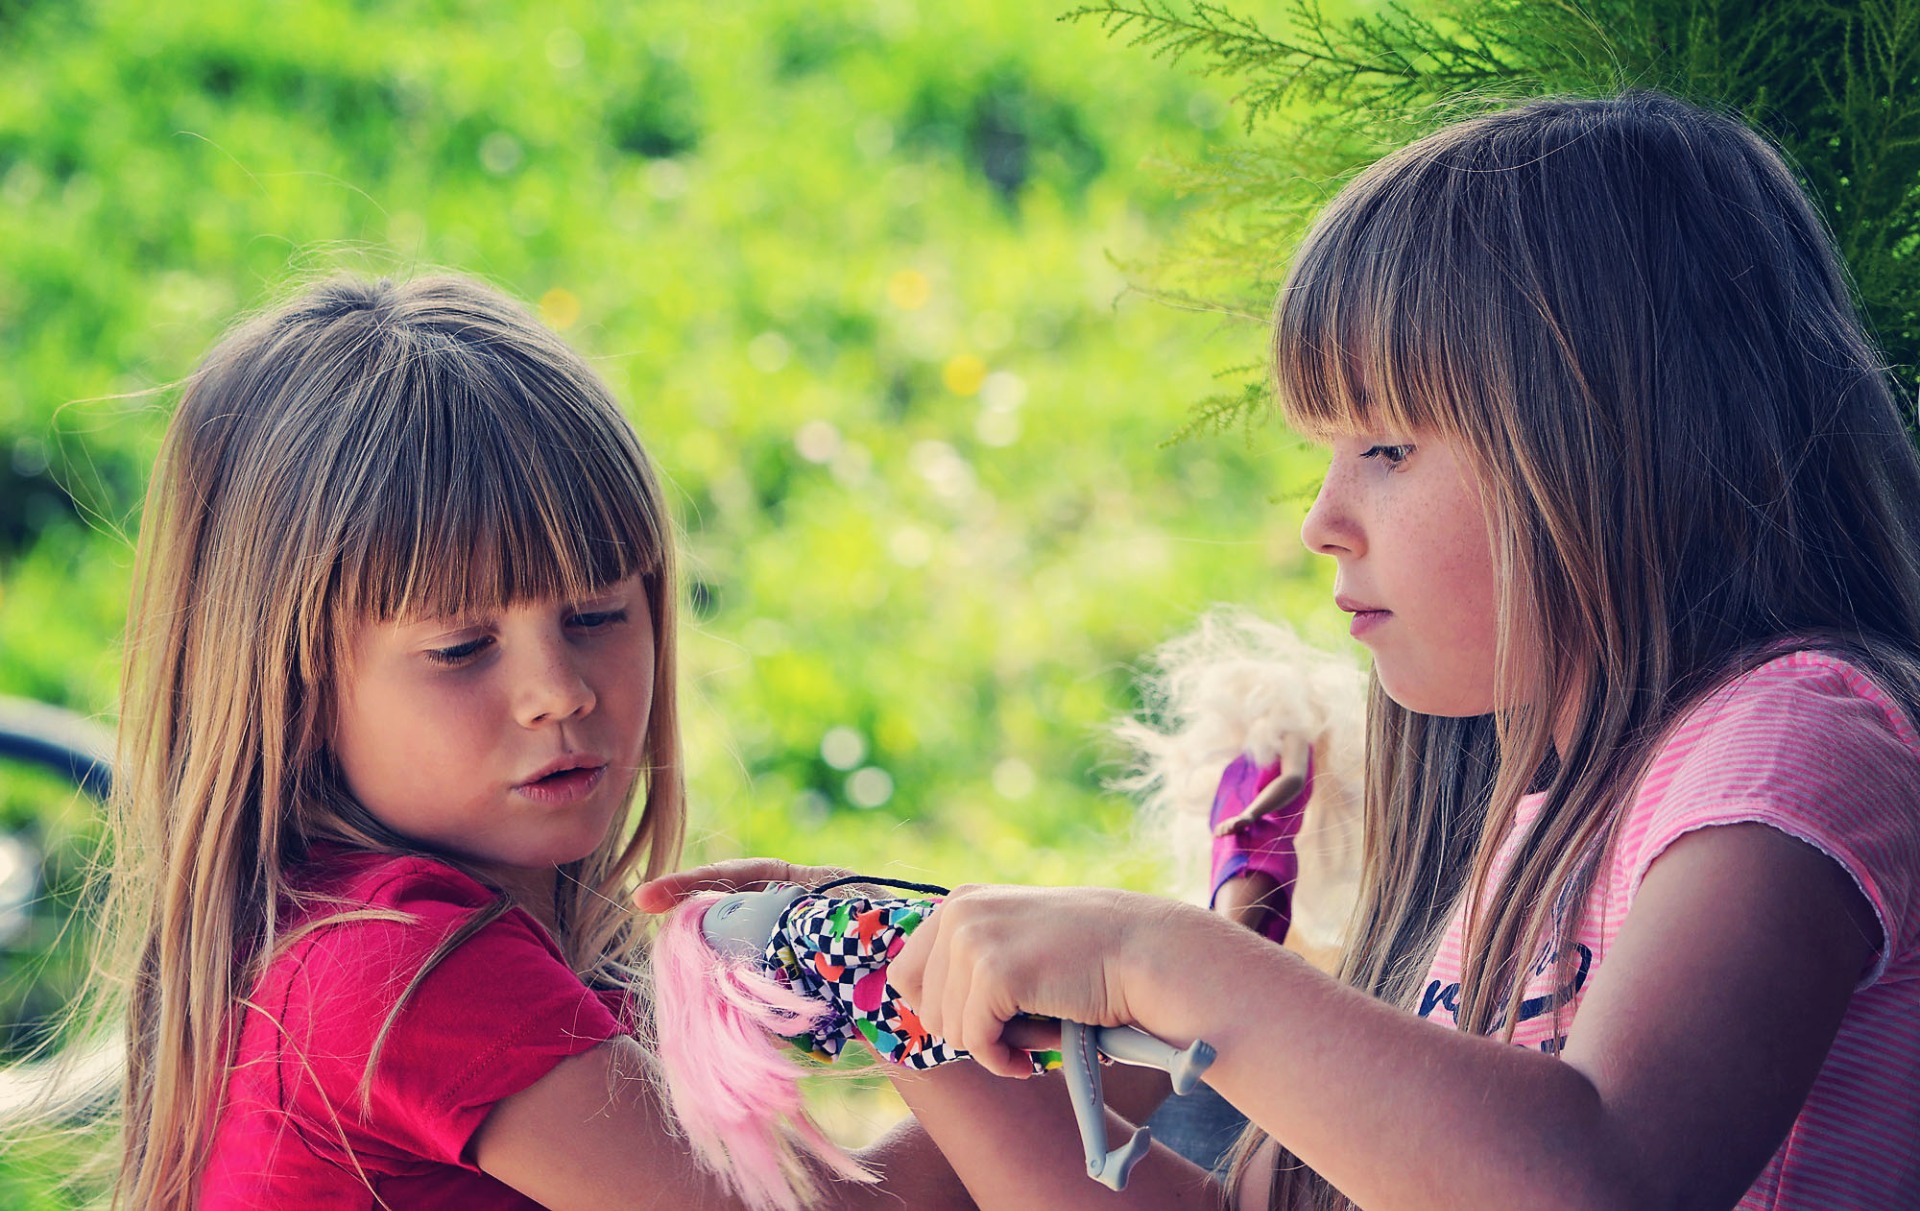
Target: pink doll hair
pixel 731 1081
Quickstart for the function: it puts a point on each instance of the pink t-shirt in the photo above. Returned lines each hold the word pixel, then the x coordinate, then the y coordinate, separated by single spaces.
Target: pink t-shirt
pixel 491 1019
pixel 1806 744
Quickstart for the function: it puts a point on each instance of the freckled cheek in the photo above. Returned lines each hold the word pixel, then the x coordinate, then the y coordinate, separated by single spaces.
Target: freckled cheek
pixel 632 693
pixel 418 746
pixel 1473 601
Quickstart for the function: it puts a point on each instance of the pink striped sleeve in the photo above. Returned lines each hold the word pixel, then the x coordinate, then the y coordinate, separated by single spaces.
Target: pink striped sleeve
pixel 1807 745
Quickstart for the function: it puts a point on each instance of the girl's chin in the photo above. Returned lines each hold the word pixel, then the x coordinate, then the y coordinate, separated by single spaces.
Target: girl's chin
pixel 1426 697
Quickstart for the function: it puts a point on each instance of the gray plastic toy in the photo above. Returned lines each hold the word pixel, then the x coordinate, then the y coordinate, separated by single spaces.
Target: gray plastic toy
pixel 786 921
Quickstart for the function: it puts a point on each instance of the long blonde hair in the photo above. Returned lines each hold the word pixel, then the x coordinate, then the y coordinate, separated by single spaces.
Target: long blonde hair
pixel 1632 322
pixel 371 449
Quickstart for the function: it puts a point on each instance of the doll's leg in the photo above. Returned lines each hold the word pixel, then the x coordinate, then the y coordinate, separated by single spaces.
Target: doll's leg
pixel 1261 810
pixel 1080 1056
pixel 1132 1045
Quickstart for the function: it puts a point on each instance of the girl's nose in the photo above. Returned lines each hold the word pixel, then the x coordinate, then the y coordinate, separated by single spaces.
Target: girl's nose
pixel 556 690
pixel 1329 527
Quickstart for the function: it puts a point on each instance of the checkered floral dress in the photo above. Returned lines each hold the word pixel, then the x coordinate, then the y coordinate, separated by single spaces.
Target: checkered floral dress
pixel 837 950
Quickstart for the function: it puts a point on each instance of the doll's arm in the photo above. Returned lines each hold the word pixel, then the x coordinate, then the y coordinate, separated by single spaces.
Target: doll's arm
pixel 1295 749
pixel 1014 1144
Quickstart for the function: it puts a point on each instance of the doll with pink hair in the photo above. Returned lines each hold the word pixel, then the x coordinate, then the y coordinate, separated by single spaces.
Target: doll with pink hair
pixel 746 983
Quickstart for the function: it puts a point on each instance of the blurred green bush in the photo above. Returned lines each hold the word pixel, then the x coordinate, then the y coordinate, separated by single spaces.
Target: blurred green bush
pixel 853 265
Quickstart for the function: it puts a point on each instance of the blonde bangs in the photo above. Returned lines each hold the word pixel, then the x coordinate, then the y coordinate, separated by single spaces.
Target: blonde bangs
pixel 486 508
pixel 1379 328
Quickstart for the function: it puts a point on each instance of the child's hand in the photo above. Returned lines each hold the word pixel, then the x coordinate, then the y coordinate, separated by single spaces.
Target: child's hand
pixel 990 954
pixel 736 874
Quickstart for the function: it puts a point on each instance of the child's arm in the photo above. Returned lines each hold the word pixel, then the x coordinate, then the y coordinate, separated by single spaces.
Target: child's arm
pixel 594 1131
pixel 977 1119
pixel 593 1134
pixel 1015 1145
pixel 1690 1057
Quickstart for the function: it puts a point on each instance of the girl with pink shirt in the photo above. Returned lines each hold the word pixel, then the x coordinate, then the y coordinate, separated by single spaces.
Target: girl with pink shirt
pixel 398 734
pixel 1622 504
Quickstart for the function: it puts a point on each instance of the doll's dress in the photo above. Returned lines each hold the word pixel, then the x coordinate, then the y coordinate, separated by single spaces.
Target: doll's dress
pixel 1202 1126
pixel 836 950
pixel 1266 845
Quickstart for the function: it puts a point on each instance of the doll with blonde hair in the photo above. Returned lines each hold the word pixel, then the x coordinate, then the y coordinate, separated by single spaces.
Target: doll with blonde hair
pixel 1247 764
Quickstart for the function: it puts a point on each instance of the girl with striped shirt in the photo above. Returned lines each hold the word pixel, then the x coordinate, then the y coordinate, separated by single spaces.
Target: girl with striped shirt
pixel 1623 506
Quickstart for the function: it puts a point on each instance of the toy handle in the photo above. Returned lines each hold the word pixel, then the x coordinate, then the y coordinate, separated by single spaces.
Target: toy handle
pixel 1080 1050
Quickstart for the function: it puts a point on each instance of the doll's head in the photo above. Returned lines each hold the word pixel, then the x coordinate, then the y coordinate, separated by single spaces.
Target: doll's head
pixel 738 926
pixel 730 1080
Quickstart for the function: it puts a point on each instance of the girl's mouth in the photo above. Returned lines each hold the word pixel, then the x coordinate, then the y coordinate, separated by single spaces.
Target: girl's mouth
pixel 563 787
pixel 1365 621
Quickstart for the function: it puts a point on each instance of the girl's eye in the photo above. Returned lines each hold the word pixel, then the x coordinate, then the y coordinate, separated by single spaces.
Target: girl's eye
pixel 1393 456
pixel 598 620
pixel 459 653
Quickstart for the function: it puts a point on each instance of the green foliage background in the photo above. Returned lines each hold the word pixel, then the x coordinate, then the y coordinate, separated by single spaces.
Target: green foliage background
pixel 853 265
pixel 1324 89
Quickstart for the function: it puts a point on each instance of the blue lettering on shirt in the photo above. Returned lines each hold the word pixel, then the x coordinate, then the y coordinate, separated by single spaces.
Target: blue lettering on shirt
pixel 1439 995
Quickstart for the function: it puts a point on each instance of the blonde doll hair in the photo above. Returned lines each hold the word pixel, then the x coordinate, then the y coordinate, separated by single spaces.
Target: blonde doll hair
pixel 1633 325
pixel 368 450
pixel 1238 683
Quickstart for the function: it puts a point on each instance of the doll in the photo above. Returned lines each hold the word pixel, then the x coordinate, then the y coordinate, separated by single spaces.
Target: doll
pixel 1261 735
pixel 741 980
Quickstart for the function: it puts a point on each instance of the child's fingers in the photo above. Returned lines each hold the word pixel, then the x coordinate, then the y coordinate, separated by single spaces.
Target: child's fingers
pixel 735 874
pixel 984 1026
pixel 962 995
pixel 950 987
pixel 1033 1034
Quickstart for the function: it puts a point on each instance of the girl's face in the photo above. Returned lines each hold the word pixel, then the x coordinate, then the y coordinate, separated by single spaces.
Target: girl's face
pixel 1404 522
pixel 512 739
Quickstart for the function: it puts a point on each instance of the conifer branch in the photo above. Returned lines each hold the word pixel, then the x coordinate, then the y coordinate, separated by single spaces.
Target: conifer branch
pixel 1836 82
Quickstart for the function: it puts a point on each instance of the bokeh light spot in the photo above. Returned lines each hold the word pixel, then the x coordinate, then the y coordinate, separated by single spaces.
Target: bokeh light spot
pixel 817 441
pixel 500 153
pixel 1003 391
pixel 566 49
pixel 843 747
pixel 909 290
pixel 870 787
pixel 910 546
pixel 1013 778
pixel 560 308
pixel 769 352
pixel 964 374
pixel 666 179
pixel 997 428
